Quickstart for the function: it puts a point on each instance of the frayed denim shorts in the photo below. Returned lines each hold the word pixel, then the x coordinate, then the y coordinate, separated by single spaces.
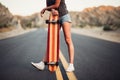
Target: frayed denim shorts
pixel 65 18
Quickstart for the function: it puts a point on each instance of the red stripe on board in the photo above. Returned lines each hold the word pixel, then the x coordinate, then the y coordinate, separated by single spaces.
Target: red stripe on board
pixel 48 36
pixel 53 44
pixel 57 42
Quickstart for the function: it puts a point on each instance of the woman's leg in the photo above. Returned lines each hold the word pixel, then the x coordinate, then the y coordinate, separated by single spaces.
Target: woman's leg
pixel 67 34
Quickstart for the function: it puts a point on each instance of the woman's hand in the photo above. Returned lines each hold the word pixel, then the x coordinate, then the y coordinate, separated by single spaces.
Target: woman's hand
pixel 54 12
pixel 42 12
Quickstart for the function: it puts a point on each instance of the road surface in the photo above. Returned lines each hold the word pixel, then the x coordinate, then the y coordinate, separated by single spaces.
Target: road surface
pixel 95 59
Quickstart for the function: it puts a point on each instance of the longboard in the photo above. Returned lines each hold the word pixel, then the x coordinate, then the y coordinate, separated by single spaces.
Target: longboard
pixel 53 42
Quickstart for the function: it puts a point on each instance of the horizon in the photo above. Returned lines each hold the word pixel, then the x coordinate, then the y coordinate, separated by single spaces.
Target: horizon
pixel 20 8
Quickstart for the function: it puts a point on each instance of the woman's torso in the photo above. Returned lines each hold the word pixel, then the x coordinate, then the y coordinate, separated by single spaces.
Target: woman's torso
pixel 62 9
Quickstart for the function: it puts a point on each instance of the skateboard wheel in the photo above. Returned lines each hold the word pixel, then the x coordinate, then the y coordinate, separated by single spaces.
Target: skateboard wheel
pixel 47 21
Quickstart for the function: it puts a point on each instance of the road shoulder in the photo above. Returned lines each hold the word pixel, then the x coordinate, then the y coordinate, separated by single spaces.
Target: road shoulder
pixel 113 36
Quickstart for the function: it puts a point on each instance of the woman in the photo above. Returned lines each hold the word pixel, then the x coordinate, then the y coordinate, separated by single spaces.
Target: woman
pixel 59 6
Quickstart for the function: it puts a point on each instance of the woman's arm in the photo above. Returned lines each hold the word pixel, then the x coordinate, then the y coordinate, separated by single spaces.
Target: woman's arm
pixel 54 6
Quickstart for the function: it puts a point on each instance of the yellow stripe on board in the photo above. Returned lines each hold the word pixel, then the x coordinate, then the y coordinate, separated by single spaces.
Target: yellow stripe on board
pixel 56 38
pixel 55 43
pixel 71 75
pixel 50 40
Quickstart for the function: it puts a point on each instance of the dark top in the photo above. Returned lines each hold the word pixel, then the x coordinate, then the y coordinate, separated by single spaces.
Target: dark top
pixel 62 9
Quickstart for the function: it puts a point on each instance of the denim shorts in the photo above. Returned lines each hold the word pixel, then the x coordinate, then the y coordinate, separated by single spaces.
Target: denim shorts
pixel 65 18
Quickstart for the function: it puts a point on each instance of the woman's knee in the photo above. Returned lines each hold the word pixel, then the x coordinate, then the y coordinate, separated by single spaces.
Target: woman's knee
pixel 68 40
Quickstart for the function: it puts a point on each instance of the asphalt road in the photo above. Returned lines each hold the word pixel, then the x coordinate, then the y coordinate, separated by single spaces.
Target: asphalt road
pixel 95 59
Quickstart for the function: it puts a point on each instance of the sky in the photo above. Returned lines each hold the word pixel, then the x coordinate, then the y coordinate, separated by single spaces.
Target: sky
pixel 28 7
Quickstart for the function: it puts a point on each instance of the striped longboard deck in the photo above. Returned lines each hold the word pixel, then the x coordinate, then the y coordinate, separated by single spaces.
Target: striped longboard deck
pixel 53 43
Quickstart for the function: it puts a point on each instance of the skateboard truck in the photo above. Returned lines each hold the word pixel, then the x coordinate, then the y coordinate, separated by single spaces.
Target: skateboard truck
pixel 51 63
pixel 53 21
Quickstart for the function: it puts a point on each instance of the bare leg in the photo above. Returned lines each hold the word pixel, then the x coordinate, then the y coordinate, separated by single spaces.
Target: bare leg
pixel 67 34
